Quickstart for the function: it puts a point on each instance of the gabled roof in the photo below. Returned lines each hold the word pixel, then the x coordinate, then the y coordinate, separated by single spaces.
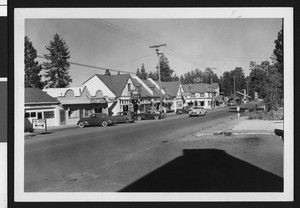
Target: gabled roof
pixel 156 92
pixel 116 83
pixel 198 88
pixel 170 88
pixel 35 95
pixel 215 85
pixel 144 92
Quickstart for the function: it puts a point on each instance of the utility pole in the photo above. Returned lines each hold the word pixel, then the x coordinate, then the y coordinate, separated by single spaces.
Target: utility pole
pixel 159 76
pixel 234 86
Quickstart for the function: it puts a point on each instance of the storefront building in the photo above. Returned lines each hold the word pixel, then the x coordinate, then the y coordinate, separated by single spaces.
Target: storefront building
pixel 173 95
pixel 77 103
pixel 199 94
pixel 119 89
pixel 39 105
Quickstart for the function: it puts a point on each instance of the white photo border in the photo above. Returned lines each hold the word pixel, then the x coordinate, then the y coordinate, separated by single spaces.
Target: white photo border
pixel 20 14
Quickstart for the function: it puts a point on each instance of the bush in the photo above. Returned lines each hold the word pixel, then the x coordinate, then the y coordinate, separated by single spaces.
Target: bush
pixel 264 115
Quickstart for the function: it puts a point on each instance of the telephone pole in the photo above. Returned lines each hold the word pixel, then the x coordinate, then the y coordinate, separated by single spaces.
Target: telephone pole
pixel 159 76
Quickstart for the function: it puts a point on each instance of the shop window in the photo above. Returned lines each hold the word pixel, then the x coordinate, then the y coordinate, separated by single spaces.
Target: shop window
pixel 125 107
pixel 30 115
pixel 88 113
pixel 49 114
pixel 74 113
pixel 201 103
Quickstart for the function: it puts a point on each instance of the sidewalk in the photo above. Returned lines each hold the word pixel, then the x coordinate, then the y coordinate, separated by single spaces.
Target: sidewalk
pixel 260 126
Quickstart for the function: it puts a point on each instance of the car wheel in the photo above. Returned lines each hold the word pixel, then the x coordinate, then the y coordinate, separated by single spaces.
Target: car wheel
pixel 104 123
pixel 139 118
pixel 156 117
pixel 81 124
pixel 127 120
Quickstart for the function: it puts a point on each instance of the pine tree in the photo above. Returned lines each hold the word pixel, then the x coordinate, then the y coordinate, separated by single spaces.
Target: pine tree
pixel 57 69
pixel 32 68
pixel 143 74
pixel 165 70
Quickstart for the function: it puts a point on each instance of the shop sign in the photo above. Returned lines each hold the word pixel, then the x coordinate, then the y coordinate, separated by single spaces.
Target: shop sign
pixel 98 100
pixel 39 124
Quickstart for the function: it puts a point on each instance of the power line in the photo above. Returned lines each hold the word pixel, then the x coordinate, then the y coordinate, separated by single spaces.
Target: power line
pixel 96 24
pixel 128 31
pixel 94 67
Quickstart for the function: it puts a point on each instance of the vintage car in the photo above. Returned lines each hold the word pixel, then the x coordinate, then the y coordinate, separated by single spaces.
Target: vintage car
pixel 185 109
pixel 197 111
pixel 150 114
pixel 124 117
pixel 96 119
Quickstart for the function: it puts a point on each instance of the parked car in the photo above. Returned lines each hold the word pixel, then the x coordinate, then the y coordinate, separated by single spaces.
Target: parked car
pixel 185 109
pixel 124 117
pixel 150 114
pixel 96 120
pixel 197 111
pixel 231 103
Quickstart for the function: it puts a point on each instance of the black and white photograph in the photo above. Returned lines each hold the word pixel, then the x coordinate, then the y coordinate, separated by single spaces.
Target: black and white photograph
pixel 153 104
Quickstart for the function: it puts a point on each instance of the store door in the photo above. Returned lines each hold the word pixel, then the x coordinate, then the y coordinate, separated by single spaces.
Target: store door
pixel 39 115
pixel 62 117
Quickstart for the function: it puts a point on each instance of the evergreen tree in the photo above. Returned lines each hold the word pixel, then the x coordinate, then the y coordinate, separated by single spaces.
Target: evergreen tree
pixel 57 69
pixel 240 82
pixel 258 79
pixel 32 68
pixel 165 70
pixel 138 73
pixel 227 83
pixel 278 61
pixel 144 74
pixel 153 75
pixel 272 99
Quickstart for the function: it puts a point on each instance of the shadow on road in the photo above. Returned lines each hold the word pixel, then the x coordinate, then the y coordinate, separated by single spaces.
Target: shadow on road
pixel 207 170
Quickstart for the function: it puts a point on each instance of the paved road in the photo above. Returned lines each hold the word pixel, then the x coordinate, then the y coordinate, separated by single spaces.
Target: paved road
pixel 77 159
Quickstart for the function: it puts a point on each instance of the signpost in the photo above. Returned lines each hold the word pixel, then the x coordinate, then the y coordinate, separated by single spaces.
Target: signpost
pixel 238 110
pixel 39 124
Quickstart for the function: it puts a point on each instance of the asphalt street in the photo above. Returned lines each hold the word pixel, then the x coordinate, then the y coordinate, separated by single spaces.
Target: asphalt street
pixel 96 158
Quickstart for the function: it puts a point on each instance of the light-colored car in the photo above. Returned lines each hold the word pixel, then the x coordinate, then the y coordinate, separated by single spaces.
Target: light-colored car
pixel 197 111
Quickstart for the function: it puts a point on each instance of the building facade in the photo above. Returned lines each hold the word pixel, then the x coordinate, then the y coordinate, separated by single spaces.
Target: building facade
pixel 119 89
pixel 200 94
pixel 77 103
pixel 40 105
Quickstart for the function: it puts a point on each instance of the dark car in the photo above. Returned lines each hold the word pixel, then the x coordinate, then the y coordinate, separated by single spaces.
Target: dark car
pixel 185 109
pixel 124 117
pixel 150 114
pixel 96 120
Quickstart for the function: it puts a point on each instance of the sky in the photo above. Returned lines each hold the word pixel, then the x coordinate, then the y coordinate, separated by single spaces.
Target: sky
pixel 124 44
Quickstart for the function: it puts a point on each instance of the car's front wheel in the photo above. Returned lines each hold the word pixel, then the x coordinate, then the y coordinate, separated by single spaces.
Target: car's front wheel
pixel 104 123
pixel 81 124
pixel 156 117
pixel 139 118
pixel 127 120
